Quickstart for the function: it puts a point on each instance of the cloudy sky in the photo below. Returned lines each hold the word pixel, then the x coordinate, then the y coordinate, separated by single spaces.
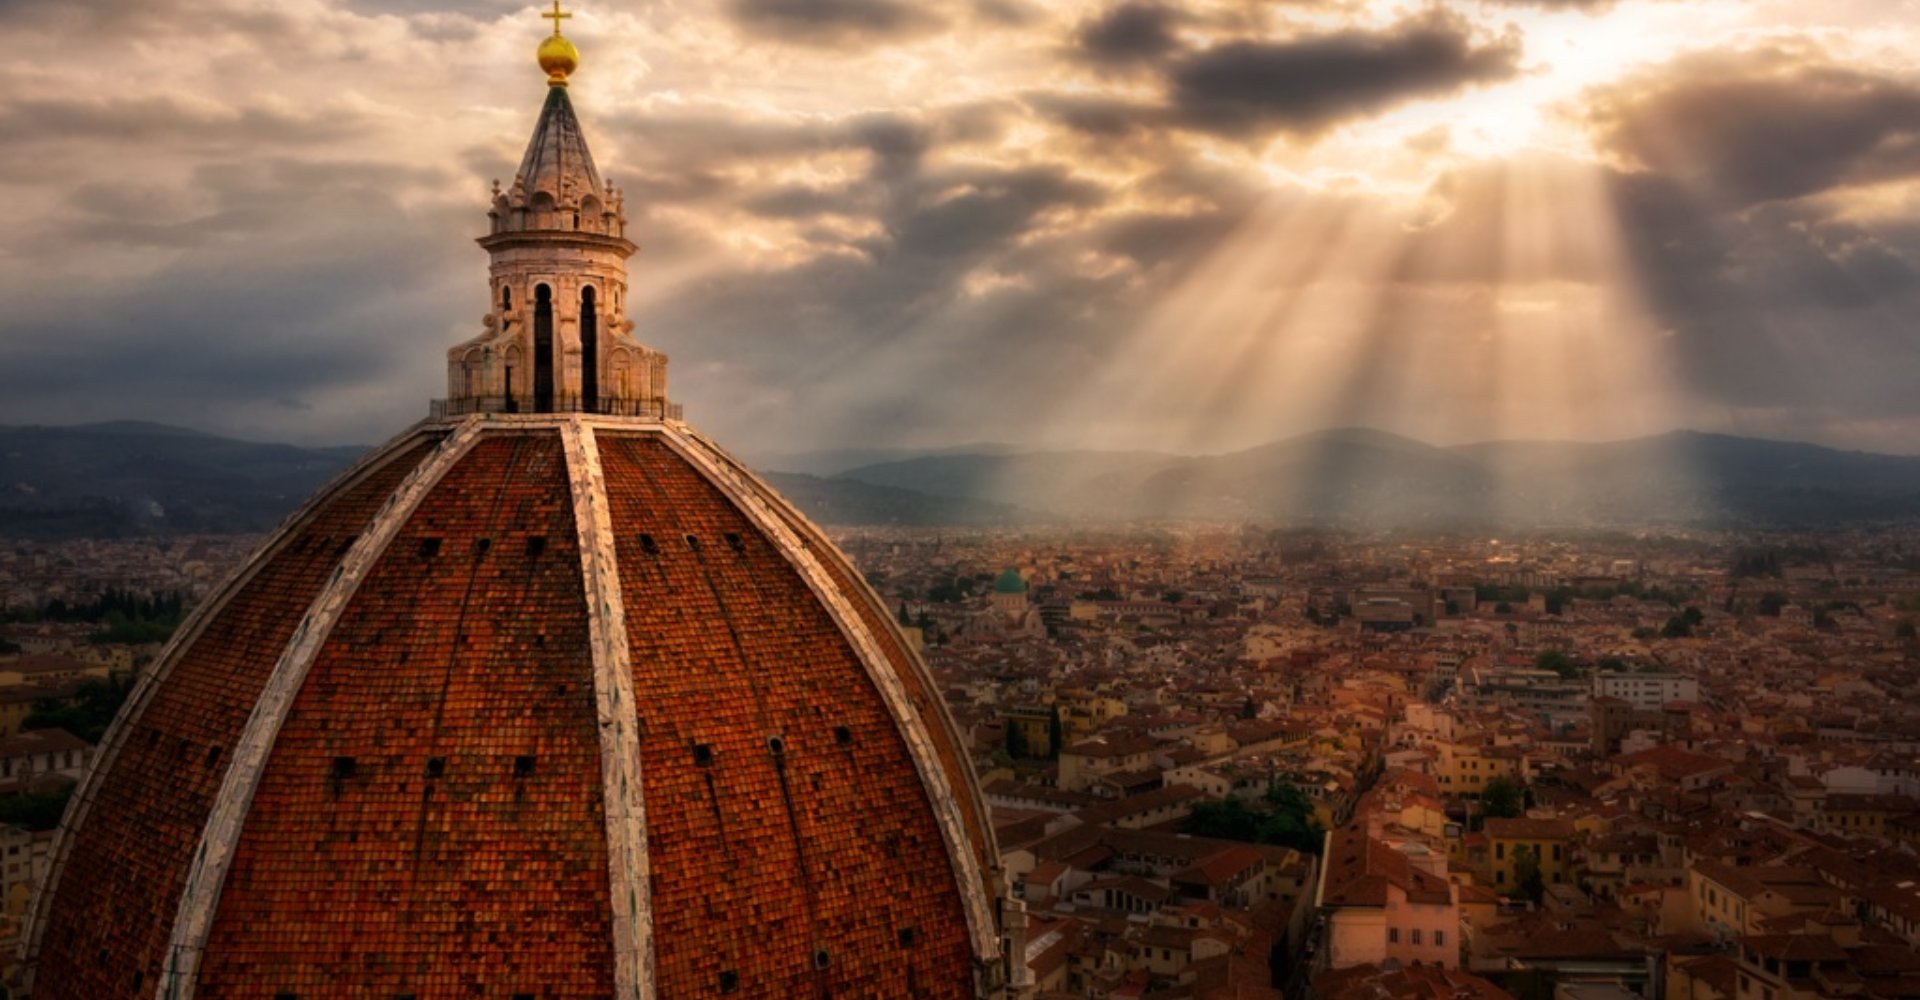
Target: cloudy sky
pixel 1185 224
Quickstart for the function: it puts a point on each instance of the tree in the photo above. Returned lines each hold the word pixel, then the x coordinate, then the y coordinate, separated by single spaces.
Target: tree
pixel 37 811
pixel 1527 879
pixel 1676 628
pixel 1558 662
pixel 903 616
pixel 1503 798
pixel 87 713
pixel 1016 740
pixel 1249 709
pixel 1056 734
pixel 1284 818
pixel 1290 819
pixel 1771 602
pixel 1905 630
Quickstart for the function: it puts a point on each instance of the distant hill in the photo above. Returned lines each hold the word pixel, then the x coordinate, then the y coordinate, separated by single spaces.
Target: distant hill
pixel 848 502
pixel 1370 477
pixel 118 479
pixel 1067 482
pixel 831 462
pixel 128 478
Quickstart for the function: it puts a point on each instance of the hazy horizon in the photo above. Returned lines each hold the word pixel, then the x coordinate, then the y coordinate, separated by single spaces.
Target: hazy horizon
pixel 1015 447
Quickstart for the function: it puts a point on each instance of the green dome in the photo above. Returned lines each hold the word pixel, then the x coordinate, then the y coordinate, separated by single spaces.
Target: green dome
pixel 1010 583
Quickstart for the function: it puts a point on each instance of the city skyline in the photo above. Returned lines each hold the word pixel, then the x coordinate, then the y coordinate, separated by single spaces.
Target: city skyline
pixel 1194 226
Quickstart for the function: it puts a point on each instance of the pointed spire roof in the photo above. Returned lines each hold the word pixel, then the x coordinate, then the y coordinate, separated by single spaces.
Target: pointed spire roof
pixel 557 161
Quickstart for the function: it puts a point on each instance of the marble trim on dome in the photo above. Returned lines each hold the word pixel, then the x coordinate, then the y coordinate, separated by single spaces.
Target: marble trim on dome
pixel 200 898
pixel 628 865
pixel 183 638
pixel 748 494
pixel 990 850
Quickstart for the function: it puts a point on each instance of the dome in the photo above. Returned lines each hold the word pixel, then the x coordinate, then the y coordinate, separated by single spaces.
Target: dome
pixel 1010 582
pixel 547 697
pixel 553 705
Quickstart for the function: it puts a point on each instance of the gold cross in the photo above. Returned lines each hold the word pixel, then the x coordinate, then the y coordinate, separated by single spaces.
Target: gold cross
pixel 556 17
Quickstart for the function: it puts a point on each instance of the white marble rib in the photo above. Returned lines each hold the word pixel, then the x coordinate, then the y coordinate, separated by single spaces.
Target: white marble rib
pixel 746 493
pixel 628 864
pixel 211 861
pixel 142 694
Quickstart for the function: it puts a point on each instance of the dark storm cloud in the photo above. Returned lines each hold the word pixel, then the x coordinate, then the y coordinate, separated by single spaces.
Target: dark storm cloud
pixel 1775 307
pixel 893 331
pixel 466 8
pixel 1007 13
pixel 1155 238
pixel 169 121
pixel 302 280
pixel 1096 115
pixel 696 141
pixel 1306 84
pixel 1254 87
pixel 1738 165
pixel 796 202
pixel 833 23
pixel 1128 33
pixel 101 18
pixel 698 158
pixel 1761 126
pixel 984 211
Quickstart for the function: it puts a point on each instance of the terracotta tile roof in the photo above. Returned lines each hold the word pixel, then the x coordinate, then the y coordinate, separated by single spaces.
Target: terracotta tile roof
pixel 1221 867
pixel 475 661
pixel 39 741
pixel 1526 828
pixel 1360 871
pixel 1418 982
pixel 731 649
pixel 1795 947
pixel 121 886
pixel 430 819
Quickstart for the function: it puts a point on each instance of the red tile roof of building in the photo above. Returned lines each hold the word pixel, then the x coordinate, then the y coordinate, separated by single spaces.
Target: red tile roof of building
pixel 1528 828
pixel 1360 871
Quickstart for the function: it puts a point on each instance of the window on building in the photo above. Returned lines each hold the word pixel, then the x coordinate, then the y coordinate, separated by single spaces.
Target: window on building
pixel 1439 939
pixel 1393 935
pixel 1416 936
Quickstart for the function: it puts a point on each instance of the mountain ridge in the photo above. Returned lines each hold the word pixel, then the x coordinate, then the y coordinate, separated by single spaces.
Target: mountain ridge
pixel 133 477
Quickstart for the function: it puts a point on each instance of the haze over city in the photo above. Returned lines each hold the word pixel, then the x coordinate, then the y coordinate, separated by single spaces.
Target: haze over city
pixel 1192 226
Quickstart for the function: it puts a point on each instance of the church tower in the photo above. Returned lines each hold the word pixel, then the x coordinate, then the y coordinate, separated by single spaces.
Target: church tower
pixel 549 696
pixel 556 337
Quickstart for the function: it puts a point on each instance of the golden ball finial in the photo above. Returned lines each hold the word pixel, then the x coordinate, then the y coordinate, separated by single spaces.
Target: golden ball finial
pixel 558 58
